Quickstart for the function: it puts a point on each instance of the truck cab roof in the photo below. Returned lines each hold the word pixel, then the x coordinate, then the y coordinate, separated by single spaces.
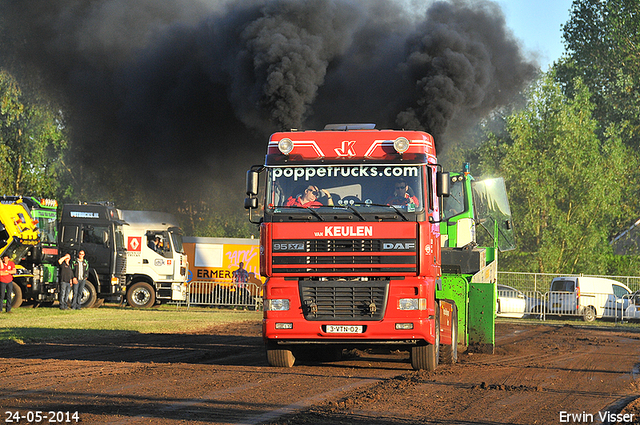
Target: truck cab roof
pixel 149 219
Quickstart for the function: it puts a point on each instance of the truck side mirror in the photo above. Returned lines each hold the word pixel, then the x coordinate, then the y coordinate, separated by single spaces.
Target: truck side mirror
pixel 252 183
pixel 250 203
pixel 442 183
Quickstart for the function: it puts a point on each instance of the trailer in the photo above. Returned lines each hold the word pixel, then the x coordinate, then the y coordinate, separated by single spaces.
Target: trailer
pixel 211 271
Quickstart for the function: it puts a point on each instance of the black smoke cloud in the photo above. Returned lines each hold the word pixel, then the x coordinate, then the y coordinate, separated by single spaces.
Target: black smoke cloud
pixel 193 88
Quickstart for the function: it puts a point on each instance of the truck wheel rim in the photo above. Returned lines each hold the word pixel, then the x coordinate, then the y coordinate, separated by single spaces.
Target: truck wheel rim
pixel 141 296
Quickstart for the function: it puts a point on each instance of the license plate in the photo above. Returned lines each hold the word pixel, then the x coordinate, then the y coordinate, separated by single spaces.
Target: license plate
pixel 341 329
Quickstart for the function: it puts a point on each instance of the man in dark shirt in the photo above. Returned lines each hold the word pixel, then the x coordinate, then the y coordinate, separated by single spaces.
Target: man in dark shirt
pixel 66 277
pixel 80 269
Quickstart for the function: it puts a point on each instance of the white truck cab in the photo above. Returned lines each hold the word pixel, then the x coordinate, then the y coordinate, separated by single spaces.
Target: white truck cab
pixel 156 266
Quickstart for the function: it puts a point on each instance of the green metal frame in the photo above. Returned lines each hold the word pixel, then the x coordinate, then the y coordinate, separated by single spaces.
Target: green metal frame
pixel 475 299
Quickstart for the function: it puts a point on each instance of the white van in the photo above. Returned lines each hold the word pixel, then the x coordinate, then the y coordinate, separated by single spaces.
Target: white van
pixel 589 297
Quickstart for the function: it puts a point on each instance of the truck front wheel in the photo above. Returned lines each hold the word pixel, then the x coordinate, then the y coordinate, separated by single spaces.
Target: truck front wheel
pixel 141 295
pixel 279 357
pixel 89 296
pixel 427 356
pixel 16 296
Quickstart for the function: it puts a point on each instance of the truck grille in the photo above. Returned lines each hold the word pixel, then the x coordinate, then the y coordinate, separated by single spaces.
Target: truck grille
pixel 333 257
pixel 121 270
pixel 343 300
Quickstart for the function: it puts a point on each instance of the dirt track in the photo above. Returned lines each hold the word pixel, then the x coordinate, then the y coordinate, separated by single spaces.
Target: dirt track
pixel 221 376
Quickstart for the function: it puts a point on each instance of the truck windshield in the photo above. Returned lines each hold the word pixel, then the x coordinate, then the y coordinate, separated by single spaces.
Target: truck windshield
pixel 399 186
pixel 47 224
pixel 176 240
pixel 493 212
pixel 48 229
pixel 15 250
pixel 119 237
pixel 455 203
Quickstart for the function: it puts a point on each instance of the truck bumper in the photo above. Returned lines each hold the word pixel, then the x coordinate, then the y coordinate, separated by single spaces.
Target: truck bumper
pixel 349 333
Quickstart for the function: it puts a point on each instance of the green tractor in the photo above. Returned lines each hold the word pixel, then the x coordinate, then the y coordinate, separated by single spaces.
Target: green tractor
pixel 476 226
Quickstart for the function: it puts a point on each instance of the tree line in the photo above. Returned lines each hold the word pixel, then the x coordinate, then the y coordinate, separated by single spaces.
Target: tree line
pixel 568 150
pixel 570 155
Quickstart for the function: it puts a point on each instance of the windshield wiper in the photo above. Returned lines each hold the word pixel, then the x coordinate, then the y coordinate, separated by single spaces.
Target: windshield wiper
pixel 379 205
pixel 354 210
pixel 308 209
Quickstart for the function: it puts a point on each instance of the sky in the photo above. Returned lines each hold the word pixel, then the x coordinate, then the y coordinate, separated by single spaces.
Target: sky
pixel 537 23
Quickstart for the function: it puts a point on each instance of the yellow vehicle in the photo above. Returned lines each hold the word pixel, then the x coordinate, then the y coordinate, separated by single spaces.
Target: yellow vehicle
pixel 18 233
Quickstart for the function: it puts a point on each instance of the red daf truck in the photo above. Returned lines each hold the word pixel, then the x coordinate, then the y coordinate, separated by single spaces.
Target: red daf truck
pixel 350 245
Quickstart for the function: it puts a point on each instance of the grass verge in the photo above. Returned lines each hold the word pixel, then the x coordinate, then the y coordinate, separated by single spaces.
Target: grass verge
pixel 46 323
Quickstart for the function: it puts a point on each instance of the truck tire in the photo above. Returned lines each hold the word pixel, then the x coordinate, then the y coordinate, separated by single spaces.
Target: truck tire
pixel 449 353
pixel 589 314
pixel 89 295
pixel 141 295
pixel 16 296
pixel 279 357
pixel 424 357
pixel 427 356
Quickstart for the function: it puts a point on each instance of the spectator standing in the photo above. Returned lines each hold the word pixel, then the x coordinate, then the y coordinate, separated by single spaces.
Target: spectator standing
pixel 7 270
pixel 241 277
pixel 80 269
pixel 66 277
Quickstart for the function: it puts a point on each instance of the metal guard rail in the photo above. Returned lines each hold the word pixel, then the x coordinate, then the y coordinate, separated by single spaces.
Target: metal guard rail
pixel 224 294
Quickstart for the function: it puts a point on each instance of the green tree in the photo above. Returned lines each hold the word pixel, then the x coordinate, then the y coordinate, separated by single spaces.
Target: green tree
pixel 602 38
pixel 10 110
pixel 565 187
pixel 32 143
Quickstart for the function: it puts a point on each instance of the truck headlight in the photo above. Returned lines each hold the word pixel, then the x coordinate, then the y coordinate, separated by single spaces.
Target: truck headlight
pixel 401 144
pixel 285 146
pixel 276 305
pixel 412 304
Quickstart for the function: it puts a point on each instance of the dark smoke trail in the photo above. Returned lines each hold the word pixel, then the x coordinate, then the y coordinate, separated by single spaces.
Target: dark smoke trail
pixel 465 62
pixel 183 91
